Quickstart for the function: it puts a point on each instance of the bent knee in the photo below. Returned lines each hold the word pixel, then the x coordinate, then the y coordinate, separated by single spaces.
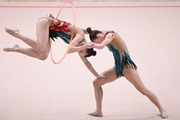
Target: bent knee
pixel 43 56
pixel 40 49
pixel 98 82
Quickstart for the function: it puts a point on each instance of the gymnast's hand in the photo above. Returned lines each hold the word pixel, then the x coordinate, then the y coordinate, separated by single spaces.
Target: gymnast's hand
pixel 101 76
pixel 89 45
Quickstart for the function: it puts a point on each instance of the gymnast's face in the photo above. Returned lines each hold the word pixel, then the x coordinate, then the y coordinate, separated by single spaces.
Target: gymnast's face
pixel 83 52
pixel 99 38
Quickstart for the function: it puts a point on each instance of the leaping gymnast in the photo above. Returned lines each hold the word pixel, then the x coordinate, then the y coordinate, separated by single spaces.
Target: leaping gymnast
pixel 49 28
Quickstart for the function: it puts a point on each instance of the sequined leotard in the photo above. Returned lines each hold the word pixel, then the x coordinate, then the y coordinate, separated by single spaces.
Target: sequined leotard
pixel 59 29
pixel 121 57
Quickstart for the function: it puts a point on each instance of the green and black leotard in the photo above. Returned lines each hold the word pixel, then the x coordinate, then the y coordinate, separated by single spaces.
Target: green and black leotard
pixel 122 61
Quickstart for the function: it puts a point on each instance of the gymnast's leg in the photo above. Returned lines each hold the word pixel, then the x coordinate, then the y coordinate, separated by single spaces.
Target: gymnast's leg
pixel 98 91
pixel 40 47
pixel 133 77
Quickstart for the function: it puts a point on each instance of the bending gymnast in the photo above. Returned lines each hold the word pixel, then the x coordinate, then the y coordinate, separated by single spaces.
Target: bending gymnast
pixel 124 66
pixel 48 28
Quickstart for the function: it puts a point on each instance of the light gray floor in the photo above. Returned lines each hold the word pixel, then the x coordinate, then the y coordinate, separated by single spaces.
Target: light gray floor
pixel 31 89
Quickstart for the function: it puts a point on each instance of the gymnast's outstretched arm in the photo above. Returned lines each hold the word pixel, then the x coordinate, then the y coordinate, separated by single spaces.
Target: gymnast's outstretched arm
pixel 90 67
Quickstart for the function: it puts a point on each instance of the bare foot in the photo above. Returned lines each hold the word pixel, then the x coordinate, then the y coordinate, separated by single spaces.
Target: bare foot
pixel 9 49
pixel 164 114
pixel 11 32
pixel 95 114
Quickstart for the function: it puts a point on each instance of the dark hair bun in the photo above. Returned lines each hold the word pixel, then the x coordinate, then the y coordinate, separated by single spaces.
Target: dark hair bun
pixel 94 53
pixel 89 30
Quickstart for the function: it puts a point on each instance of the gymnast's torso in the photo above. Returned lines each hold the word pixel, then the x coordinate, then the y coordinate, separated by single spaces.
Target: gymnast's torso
pixel 121 54
pixel 118 42
pixel 62 29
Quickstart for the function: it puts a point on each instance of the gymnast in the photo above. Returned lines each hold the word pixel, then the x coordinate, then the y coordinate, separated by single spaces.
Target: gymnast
pixel 48 28
pixel 124 66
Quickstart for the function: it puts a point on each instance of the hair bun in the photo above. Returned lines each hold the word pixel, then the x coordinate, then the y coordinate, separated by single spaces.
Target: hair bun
pixel 94 53
pixel 89 30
